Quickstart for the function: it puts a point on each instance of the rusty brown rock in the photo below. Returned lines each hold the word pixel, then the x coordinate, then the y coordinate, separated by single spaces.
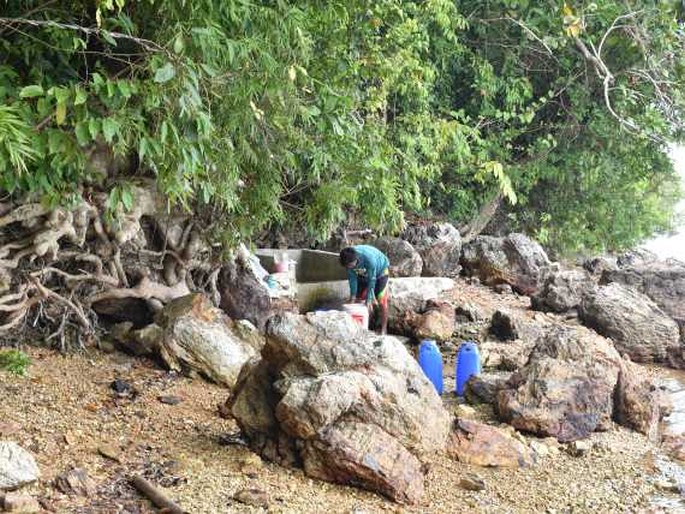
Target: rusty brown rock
pixel 366 456
pixel 483 445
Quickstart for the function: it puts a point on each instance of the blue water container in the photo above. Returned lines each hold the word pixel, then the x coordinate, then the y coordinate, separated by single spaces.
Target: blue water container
pixel 468 363
pixel 430 360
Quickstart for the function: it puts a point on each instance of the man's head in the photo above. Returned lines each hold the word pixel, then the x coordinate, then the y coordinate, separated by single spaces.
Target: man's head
pixel 348 257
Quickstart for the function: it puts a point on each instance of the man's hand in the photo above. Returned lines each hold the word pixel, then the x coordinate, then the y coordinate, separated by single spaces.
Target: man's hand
pixel 371 305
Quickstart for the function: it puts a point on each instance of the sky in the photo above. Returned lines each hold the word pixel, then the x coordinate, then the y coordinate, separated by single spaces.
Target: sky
pixel 673 245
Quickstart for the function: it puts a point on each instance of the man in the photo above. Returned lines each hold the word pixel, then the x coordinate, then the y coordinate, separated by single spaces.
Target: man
pixel 367 273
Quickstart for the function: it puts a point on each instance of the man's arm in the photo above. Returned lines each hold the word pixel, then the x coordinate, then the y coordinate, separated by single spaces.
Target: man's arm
pixel 352 279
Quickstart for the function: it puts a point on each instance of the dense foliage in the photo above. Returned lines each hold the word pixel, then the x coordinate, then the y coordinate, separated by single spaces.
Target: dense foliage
pixel 301 113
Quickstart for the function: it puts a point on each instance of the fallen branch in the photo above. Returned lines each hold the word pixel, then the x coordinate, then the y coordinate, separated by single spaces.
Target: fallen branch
pixel 156 496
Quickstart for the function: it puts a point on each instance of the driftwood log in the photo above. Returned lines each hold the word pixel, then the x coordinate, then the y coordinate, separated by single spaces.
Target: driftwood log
pixel 156 496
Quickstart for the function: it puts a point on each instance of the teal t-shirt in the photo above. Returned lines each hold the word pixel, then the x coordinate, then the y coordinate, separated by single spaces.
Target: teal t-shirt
pixel 372 264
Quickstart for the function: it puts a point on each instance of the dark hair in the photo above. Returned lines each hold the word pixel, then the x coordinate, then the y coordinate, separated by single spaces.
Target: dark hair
pixel 347 256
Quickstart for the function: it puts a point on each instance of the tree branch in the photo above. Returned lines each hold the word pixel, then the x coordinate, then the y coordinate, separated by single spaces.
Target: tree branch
pixel 148 45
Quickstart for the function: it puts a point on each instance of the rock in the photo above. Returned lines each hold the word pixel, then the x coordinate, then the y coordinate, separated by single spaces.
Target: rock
pixel 411 295
pixel 503 289
pixel 515 260
pixel 200 337
pixel 637 326
pixel 137 311
pixel 110 452
pixel 20 504
pixel 464 411
pixel 252 497
pixel 505 356
pixel 352 452
pixel 439 245
pixel 483 445
pixel 539 448
pixel 503 326
pixel 636 257
pixel 77 482
pixel 636 401
pixel 662 281
pixel 437 322
pixel 245 295
pixel 17 466
pixel 566 388
pixel 347 405
pixel 472 482
pixel 483 388
pixel 579 448
pixel 144 341
pixel 121 387
pixel 562 291
pixel 8 428
pixel 598 265
pixel 405 261
pixel 170 399
pixel 468 312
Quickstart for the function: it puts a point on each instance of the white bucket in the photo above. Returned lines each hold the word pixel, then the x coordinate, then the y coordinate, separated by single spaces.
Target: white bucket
pixel 359 313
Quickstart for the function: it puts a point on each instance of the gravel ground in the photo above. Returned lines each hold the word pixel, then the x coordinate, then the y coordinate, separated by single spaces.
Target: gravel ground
pixel 66 413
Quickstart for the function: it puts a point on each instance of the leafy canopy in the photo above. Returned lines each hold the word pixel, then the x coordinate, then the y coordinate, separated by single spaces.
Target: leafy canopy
pixel 300 113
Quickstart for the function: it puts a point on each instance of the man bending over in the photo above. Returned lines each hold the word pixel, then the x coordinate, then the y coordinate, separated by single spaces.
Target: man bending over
pixel 367 273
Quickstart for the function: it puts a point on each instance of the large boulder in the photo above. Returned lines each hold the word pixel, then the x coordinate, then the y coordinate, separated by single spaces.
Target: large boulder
pixel 200 337
pixel 568 387
pixel 637 403
pixel 244 293
pixel 515 260
pixel 439 245
pixel 345 404
pixel 483 445
pixel 662 281
pixel 405 261
pixel 636 324
pixel 438 321
pixel 562 291
pixel 17 466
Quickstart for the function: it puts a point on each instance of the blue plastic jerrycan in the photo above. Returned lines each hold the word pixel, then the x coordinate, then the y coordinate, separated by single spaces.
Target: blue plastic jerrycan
pixel 430 360
pixel 468 363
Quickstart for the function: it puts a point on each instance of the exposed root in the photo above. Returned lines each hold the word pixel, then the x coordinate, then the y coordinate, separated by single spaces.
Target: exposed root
pixel 55 265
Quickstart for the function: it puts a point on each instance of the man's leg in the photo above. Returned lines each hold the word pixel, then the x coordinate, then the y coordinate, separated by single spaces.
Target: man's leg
pixel 382 298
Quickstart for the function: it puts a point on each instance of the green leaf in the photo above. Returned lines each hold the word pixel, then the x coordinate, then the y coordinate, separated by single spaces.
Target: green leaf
pixel 179 44
pixel 110 128
pixel 165 73
pixel 80 97
pixel 127 199
pixel 31 91
pixel 82 133
pixel 108 37
pixel 60 113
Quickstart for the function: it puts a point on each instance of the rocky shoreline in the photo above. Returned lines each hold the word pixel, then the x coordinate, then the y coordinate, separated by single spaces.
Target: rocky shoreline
pixel 561 420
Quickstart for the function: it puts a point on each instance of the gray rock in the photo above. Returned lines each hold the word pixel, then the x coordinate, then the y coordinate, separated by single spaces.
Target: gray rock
pixel 201 338
pixel 76 481
pixel 439 245
pixel 483 388
pixel 472 482
pixel 662 281
pixel 563 291
pixel 405 261
pixel 508 356
pixel 636 324
pixel 515 260
pixel 17 466
pixel 347 405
